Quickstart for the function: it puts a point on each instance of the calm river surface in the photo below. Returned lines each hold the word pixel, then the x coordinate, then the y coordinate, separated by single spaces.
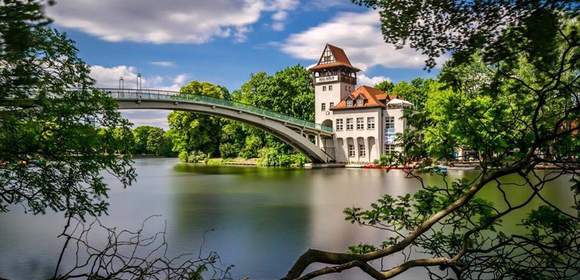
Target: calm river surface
pixel 263 219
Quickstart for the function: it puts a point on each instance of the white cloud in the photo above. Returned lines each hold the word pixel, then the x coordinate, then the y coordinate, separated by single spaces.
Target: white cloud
pixel 175 21
pixel 163 63
pixel 156 118
pixel 364 80
pixel 325 4
pixel 109 77
pixel 281 8
pixel 280 15
pixel 278 26
pixel 360 36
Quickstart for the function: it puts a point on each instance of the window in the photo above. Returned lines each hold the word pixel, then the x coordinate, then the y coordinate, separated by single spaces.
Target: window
pixel 349 103
pixel 361 150
pixel 360 123
pixel 339 124
pixel 389 130
pixel 351 150
pixel 371 123
pixel 389 148
pixel 359 102
pixel 323 107
pixel 331 105
pixel 349 124
pixel 329 87
pixel 389 122
pixel 323 88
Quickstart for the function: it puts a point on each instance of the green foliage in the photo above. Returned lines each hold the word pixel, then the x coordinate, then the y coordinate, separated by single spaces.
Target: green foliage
pixel 437 27
pixel 415 92
pixel 510 94
pixel 288 92
pixel 273 157
pixel 158 143
pixel 193 157
pixel 386 86
pixel 141 134
pixel 192 132
pixel 388 160
pixel 416 145
pixel 54 143
pixel 149 140
pixel 361 249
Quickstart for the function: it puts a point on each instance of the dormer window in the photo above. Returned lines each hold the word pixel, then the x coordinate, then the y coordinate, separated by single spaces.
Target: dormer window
pixel 349 103
pixel 359 102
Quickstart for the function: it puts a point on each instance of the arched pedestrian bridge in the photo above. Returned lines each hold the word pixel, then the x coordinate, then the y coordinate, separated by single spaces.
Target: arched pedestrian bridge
pixel 300 134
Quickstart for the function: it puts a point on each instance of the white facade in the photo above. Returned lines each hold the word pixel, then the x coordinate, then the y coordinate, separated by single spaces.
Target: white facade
pixel 329 94
pixel 363 135
pixel 365 120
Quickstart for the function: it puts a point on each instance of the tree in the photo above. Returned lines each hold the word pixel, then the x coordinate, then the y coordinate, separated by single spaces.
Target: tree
pixel 437 27
pixel 386 86
pixel 232 139
pixel 415 92
pixel 152 140
pixel 155 141
pixel 149 258
pixel 166 147
pixel 52 151
pixel 512 93
pixel 287 92
pixel 194 133
pixel 141 135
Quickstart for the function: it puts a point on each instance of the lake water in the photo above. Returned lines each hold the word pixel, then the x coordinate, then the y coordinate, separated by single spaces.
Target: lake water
pixel 262 219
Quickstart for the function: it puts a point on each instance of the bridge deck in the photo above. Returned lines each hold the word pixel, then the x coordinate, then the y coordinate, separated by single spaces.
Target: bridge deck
pixel 165 95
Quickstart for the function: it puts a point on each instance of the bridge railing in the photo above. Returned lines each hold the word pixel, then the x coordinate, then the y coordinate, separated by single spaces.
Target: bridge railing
pixel 155 94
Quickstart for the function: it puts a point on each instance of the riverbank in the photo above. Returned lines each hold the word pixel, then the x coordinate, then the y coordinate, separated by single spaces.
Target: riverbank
pixel 231 162
pixel 140 156
pixel 253 162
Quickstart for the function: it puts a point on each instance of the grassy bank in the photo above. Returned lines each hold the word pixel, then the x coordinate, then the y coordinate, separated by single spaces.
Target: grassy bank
pixel 231 162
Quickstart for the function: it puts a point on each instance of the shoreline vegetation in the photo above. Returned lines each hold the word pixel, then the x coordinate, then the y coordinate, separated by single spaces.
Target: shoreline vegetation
pixel 231 162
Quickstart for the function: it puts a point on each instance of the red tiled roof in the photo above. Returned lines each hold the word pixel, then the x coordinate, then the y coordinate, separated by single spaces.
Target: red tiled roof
pixel 373 98
pixel 339 56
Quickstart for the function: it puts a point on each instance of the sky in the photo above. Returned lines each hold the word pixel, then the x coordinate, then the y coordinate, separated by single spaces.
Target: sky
pixel 172 42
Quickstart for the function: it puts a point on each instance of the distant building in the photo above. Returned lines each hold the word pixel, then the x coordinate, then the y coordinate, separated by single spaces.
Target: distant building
pixel 365 120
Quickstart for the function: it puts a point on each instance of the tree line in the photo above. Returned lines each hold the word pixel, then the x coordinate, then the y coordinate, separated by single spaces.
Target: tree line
pixel 150 140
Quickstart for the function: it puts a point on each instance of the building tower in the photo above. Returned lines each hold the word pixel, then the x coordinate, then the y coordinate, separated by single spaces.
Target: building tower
pixel 334 79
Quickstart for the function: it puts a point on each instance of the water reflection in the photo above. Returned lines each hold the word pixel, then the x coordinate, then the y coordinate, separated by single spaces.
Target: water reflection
pixel 263 219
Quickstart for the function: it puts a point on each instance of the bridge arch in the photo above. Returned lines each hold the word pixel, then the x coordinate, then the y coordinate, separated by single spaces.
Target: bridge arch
pixel 291 131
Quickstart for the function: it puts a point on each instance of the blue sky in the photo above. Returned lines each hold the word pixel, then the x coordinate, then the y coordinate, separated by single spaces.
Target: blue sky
pixel 223 41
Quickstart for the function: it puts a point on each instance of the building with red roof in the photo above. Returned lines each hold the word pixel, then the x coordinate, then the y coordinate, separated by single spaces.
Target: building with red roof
pixel 365 120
